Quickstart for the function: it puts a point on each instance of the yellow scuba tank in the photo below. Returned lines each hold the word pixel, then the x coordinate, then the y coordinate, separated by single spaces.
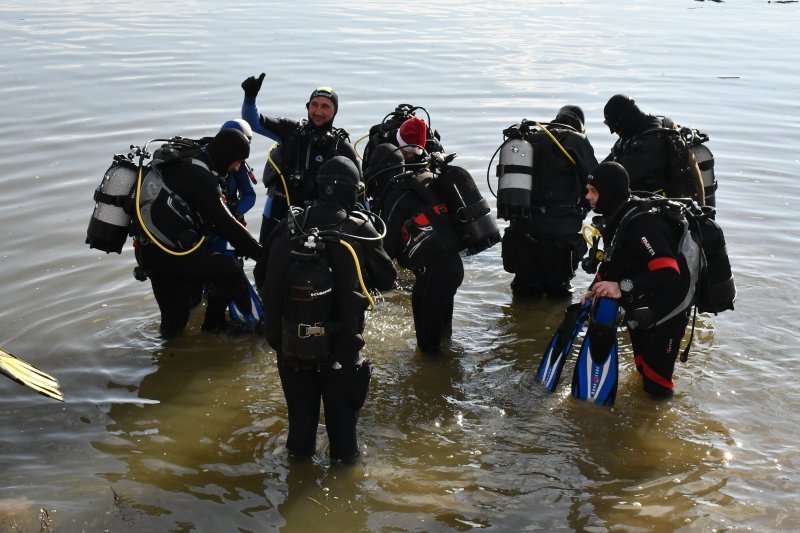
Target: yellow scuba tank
pixel 110 223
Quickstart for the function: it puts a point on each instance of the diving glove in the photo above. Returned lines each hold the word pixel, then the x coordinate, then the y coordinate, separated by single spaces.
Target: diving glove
pixel 252 85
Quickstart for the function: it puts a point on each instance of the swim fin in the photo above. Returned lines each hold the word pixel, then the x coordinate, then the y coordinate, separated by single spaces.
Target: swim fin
pixel 28 375
pixel 560 345
pixel 596 370
pixel 249 317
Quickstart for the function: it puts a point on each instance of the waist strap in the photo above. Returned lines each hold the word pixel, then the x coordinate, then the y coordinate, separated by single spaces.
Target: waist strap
pixel 317 329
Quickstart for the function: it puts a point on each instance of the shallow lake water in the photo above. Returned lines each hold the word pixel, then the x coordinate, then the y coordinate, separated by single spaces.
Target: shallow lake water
pixel 189 435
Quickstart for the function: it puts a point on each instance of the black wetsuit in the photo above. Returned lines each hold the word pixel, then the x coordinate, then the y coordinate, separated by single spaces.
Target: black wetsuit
pixel 175 278
pixel 645 251
pixel 544 249
pixel 341 379
pixel 302 150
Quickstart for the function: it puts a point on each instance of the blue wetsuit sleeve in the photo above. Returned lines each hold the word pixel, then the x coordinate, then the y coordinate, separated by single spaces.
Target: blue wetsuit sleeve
pixel 253 117
pixel 247 196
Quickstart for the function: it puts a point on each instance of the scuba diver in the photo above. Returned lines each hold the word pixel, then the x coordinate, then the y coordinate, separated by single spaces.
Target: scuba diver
pixel 320 261
pixel 433 211
pixel 542 246
pixel 654 152
pixel 644 271
pixel 237 188
pixel 239 197
pixel 178 203
pixel 302 148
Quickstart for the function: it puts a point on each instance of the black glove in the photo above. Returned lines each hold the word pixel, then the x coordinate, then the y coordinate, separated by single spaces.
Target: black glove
pixel 252 85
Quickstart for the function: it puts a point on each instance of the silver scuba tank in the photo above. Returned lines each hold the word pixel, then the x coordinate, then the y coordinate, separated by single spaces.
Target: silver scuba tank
pixel 514 179
pixel 110 223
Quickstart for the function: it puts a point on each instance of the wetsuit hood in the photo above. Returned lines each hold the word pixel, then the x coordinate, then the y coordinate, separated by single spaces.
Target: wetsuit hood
pixel 338 181
pixel 227 147
pixel 623 116
pixel 385 163
pixel 241 125
pixel 613 187
pixel 572 116
pixel 330 94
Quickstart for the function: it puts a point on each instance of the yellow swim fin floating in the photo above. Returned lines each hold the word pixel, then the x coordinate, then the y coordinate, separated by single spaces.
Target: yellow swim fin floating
pixel 29 376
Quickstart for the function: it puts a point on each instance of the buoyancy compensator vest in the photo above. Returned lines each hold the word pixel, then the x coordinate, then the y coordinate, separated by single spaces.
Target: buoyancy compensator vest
pixel 702 243
pixel 162 215
pixel 308 313
pixel 165 216
pixel 427 235
pixel 110 223
pixel 293 163
pixel 702 249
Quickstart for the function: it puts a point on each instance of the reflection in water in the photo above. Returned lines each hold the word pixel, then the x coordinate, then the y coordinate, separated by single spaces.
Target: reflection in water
pixel 641 465
pixel 190 433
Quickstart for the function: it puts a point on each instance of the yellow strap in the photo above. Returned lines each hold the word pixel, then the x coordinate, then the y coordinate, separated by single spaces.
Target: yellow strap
pixel 275 166
pixel 571 160
pixel 147 231
pixel 355 146
pixel 360 277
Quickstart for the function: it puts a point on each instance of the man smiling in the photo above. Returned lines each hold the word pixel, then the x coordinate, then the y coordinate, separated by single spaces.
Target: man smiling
pixel 302 147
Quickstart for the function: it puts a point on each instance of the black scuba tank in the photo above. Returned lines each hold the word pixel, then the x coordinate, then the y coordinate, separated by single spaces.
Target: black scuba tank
pixel 514 179
pixel 705 161
pixel 469 213
pixel 307 320
pixel 111 220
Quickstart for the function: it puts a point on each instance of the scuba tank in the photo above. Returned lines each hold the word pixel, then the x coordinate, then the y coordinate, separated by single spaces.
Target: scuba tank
pixel 514 179
pixel 307 320
pixel 705 161
pixel 111 220
pixel 469 213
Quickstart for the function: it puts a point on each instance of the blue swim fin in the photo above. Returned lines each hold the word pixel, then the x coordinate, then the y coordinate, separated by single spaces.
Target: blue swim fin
pixel 596 372
pixel 560 345
pixel 249 317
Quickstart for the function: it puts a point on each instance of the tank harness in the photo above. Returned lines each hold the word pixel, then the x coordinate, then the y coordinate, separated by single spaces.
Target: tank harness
pixel 308 318
pixel 516 168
